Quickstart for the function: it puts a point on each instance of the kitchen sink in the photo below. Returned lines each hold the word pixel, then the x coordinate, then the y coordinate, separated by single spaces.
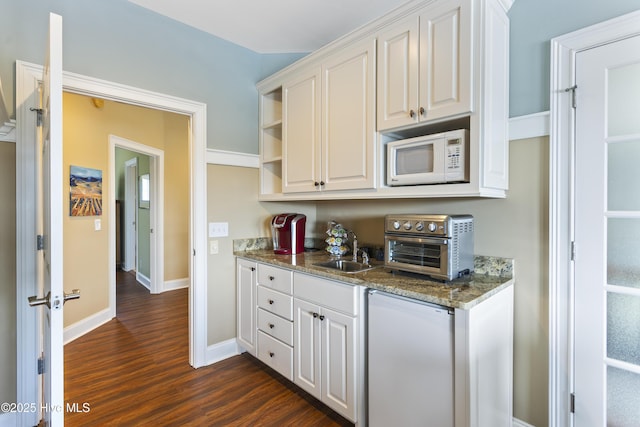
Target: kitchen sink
pixel 345 266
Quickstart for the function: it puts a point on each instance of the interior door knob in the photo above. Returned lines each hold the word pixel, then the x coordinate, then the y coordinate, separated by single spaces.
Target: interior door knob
pixel 34 301
pixel 74 294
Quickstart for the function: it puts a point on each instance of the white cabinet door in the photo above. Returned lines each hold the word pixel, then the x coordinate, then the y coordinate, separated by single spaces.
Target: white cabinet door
pixel 398 74
pixel 301 133
pixel 306 345
pixel 246 315
pixel 338 362
pixel 445 60
pixel 424 66
pixel 348 123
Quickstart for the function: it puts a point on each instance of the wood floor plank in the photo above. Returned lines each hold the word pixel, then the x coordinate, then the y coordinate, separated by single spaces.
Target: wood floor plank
pixel 134 370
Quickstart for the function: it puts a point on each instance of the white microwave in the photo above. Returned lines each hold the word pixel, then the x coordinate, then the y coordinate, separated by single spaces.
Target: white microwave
pixel 430 159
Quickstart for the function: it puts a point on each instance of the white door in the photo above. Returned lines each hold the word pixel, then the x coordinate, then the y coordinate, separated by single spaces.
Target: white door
pixel 52 297
pixel 607 235
pixel 130 210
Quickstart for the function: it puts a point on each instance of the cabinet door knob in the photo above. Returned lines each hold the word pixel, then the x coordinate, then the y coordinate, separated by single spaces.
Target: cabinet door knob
pixel 317 184
pixel 253 269
pixel 271 301
pixel 271 325
pixel 271 354
pixel 412 113
pixel 314 314
pixel 321 183
pixel 422 111
pixel 271 278
pixel 321 318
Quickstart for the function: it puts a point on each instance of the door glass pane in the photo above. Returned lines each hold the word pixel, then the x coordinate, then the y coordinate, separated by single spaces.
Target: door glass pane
pixel 623 399
pixel 623 247
pixel 624 175
pixel 624 100
pixel 623 327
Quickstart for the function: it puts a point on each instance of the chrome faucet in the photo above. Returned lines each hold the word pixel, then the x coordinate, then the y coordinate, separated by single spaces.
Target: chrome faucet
pixel 355 247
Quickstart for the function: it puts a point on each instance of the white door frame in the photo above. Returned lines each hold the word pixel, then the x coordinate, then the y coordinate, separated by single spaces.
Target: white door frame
pixel 156 172
pixel 27 81
pixel 130 214
pixel 561 209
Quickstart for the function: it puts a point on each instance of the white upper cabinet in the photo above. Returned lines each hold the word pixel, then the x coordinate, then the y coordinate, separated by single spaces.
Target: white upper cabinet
pixel 424 66
pixel 428 67
pixel 329 124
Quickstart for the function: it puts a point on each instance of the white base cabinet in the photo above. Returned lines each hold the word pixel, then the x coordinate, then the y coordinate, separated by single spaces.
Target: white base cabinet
pixel 328 342
pixel 246 273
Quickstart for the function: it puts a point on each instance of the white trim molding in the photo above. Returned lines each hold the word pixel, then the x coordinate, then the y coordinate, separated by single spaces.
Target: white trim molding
pixel 86 325
pixel 561 171
pixel 529 126
pixel 143 280
pixel 520 423
pixel 222 350
pixel 8 131
pixel 172 285
pixel 232 158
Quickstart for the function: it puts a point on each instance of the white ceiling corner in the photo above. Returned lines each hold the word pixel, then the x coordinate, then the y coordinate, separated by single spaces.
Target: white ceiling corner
pixel 274 26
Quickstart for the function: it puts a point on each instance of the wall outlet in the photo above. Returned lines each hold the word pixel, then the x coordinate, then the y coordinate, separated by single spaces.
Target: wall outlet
pixel 213 247
pixel 218 229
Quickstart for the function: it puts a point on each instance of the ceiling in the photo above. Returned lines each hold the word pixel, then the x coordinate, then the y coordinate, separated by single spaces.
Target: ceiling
pixel 274 26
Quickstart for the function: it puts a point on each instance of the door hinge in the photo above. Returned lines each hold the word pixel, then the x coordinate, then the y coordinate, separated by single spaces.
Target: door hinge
pixel 41 365
pixel 39 242
pixel 572 251
pixel 572 403
pixel 572 89
pixel 38 112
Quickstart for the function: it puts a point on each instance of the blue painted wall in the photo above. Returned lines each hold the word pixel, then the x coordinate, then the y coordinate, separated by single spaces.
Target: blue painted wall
pixel 121 42
pixel 533 24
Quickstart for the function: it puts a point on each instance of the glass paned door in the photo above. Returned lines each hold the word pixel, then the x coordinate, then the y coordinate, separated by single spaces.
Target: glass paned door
pixel 607 234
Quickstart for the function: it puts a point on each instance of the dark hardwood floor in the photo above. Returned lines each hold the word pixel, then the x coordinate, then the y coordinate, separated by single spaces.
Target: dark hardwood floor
pixel 135 370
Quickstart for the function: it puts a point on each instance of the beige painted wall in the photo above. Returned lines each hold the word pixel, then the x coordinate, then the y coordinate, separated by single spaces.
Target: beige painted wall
pixel 8 272
pixel 86 143
pixel 515 227
pixel 233 198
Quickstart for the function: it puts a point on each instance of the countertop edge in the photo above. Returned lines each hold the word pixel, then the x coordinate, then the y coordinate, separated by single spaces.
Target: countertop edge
pixel 461 294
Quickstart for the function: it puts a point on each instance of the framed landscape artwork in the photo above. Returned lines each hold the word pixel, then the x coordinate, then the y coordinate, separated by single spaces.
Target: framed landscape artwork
pixel 85 195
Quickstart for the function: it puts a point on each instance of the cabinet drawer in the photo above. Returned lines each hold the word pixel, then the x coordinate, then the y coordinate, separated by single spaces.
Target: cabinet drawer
pixel 275 302
pixel 275 326
pixel 334 295
pixel 276 354
pixel 275 278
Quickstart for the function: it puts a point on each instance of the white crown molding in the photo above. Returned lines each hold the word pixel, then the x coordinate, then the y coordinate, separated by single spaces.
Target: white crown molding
pixel 231 158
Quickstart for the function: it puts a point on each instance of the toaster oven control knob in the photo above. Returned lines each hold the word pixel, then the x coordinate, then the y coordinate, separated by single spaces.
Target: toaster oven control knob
pixel 419 226
pixel 396 225
pixel 432 227
pixel 407 225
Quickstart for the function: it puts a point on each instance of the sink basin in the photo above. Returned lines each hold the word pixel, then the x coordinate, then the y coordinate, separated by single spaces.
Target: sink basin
pixel 345 266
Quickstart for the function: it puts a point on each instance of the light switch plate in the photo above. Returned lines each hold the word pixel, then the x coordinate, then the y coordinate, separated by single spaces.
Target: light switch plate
pixel 213 247
pixel 218 229
pixel 97 225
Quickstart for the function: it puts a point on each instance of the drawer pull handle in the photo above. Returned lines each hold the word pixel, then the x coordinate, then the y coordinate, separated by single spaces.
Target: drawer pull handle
pixel 271 301
pixel 271 325
pixel 272 278
pixel 271 354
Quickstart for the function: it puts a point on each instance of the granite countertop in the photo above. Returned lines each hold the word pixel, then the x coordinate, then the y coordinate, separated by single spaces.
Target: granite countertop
pixel 491 276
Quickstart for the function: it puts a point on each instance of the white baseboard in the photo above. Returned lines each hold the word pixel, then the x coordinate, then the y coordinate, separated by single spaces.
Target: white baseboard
pixel 85 325
pixel 144 280
pixel 172 285
pixel 222 350
pixel 519 423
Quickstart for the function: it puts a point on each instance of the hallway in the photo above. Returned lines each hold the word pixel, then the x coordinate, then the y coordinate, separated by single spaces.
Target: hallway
pixel 134 370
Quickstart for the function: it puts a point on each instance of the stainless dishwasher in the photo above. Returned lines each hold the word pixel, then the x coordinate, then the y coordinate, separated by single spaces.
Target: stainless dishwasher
pixel 410 362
